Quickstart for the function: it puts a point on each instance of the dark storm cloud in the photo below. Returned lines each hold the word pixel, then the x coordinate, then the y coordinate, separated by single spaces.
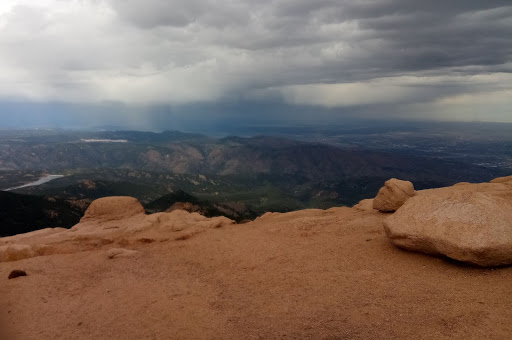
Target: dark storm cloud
pixel 330 53
pixel 179 13
pixel 307 42
pixel 392 35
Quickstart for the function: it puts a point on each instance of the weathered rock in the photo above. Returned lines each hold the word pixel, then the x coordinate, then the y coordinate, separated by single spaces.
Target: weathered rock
pixel 187 206
pixel 120 252
pixel 365 205
pixel 32 235
pixel 470 223
pixel 15 252
pixel 393 195
pixel 178 220
pixel 461 183
pixel 507 179
pixel 266 215
pixel 113 208
pixel 17 273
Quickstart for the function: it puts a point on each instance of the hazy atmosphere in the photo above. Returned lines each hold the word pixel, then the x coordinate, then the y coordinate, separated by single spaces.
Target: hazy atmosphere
pixel 151 64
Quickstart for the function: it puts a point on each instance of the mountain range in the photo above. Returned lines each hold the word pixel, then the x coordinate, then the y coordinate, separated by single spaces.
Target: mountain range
pixel 238 177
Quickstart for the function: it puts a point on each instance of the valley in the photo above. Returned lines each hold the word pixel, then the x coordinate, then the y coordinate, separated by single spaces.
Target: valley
pixel 243 177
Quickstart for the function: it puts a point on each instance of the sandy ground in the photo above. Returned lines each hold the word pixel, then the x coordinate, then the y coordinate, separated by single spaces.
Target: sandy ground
pixel 305 275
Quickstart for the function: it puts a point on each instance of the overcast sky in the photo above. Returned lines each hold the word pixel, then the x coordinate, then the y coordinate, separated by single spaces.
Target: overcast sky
pixel 437 59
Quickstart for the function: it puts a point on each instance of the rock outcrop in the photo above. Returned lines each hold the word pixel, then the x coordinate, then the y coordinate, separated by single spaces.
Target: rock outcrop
pixel 109 222
pixel 470 223
pixel 393 195
pixel 113 208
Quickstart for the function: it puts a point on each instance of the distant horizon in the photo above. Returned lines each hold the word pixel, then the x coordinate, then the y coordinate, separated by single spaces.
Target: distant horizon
pixel 283 128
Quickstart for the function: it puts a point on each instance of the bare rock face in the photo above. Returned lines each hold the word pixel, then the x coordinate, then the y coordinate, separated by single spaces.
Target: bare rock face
pixel 113 208
pixel 114 222
pixel 507 180
pixel 393 195
pixel 15 252
pixel 114 253
pixel 470 223
pixel 178 220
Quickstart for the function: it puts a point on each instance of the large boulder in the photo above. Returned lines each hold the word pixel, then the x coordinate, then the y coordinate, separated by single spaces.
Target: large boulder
pixel 470 223
pixel 113 208
pixel 393 195
pixel 109 217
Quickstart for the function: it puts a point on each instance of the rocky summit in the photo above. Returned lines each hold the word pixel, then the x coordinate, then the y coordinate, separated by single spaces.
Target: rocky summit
pixel 309 274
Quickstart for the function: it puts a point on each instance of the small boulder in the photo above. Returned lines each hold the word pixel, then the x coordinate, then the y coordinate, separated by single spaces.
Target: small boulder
pixel 187 206
pixel 17 273
pixel 365 205
pixel 393 195
pixel 470 223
